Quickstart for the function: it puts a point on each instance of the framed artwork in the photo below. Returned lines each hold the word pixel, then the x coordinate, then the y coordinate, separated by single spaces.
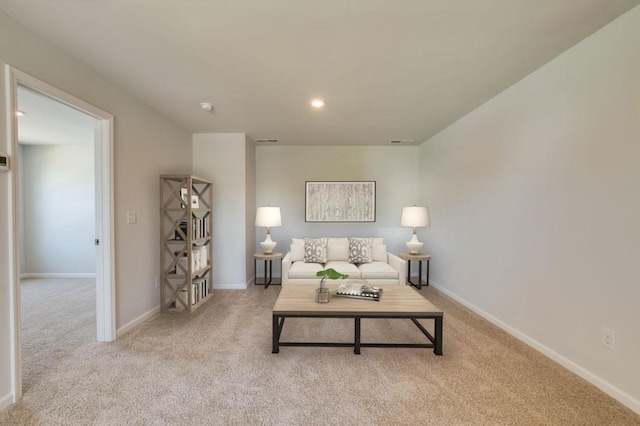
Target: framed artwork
pixel 184 195
pixel 195 200
pixel 353 201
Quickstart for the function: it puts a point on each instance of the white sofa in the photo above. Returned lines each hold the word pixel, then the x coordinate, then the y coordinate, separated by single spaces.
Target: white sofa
pixel 384 267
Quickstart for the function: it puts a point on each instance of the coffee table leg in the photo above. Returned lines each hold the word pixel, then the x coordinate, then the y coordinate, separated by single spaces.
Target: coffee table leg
pixel 276 335
pixel 437 349
pixel 356 349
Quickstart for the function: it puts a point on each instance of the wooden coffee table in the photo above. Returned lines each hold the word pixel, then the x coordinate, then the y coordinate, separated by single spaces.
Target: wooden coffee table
pixel 397 301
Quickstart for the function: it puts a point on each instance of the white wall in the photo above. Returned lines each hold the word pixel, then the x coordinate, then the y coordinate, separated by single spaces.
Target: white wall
pixel 146 145
pixel 58 219
pixel 281 172
pixel 221 158
pixel 535 201
pixel 250 208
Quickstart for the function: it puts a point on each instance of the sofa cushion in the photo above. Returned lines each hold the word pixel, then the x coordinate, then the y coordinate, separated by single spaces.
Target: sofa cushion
pixel 379 253
pixel 338 249
pixel 377 241
pixel 297 241
pixel 315 250
pixel 378 270
pixel 360 250
pixel 297 252
pixel 344 267
pixel 304 270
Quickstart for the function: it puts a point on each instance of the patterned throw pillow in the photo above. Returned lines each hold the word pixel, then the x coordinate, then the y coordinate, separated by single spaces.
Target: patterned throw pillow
pixel 315 250
pixel 360 250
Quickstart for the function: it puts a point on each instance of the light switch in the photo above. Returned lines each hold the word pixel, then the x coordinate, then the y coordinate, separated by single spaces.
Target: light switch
pixel 132 217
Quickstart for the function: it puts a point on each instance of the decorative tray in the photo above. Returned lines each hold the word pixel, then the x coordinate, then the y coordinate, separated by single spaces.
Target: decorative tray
pixel 359 289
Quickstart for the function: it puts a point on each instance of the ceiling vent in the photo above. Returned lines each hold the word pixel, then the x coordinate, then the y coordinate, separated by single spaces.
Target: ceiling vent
pixel 401 141
pixel 267 140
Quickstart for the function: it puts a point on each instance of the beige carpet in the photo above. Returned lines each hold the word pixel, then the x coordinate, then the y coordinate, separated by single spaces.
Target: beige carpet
pixel 216 367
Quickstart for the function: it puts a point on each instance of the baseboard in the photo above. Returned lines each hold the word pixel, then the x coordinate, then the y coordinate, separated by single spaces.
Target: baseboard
pixel 136 322
pixel 611 390
pixel 218 286
pixel 56 275
pixel 6 401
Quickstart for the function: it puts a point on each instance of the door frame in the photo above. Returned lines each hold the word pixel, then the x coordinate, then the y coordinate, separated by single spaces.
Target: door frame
pixel 105 251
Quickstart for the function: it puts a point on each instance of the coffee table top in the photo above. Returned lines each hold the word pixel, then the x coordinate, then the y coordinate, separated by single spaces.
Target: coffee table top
pixel 396 300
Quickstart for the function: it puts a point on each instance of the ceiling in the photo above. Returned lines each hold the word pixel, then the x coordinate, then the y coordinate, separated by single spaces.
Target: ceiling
pixel 387 69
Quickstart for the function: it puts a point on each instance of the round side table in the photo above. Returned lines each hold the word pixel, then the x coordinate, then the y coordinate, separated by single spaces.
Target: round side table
pixel 419 257
pixel 267 257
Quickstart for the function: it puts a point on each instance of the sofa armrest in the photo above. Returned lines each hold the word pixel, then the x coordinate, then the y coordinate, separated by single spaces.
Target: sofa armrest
pixel 399 265
pixel 286 266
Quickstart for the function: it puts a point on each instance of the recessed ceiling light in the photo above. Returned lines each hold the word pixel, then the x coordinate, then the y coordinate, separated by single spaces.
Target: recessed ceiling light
pixel 207 106
pixel 317 103
pixel 20 113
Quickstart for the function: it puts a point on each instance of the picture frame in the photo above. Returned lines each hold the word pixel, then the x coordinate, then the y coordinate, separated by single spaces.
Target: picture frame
pixel 195 200
pixel 340 201
pixel 184 194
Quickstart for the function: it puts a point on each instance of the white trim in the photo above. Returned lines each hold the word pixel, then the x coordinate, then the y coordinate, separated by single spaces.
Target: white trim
pixel 55 275
pixel 105 226
pixel 105 253
pixel 611 390
pixel 230 287
pixel 11 85
pixel 136 322
pixel 6 401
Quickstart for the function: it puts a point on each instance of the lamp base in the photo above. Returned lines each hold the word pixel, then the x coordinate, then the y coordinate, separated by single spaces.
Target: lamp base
pixel 268 245
pixel 414 245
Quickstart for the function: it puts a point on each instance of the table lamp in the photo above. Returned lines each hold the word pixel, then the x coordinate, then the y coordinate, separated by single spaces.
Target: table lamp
pixel 416 216
pixel 268 217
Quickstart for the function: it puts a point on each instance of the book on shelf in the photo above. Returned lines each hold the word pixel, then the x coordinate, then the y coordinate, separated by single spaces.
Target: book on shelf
pixel 199 260
pixel 359 289
pixel 199 226
pixel 200 290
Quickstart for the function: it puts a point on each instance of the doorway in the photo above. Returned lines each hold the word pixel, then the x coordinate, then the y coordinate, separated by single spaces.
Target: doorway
pixel 104 251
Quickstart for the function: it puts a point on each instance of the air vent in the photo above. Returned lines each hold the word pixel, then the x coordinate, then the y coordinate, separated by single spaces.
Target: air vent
pixel 267 140
pixel 401 141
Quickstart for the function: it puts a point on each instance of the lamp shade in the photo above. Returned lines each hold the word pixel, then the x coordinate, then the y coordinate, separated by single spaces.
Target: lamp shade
pixel 416 216
pixel 268 217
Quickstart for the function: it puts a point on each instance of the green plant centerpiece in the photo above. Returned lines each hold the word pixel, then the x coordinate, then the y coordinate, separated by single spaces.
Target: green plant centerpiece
pixel 322 293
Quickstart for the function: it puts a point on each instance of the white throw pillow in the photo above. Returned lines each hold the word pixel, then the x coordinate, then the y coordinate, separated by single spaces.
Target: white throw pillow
pixel 297 252
pixel 379 253
pixel 360 250
pixel 315 250
pixel 338 249
pixel 377 241
pixel 297 242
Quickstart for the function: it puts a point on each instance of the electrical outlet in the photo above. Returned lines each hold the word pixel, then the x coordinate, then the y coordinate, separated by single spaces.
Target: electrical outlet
pixel 156 282
pixel 132 217
pixel 608 338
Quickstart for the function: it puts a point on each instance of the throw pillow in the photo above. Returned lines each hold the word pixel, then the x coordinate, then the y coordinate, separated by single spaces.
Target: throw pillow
pixel 360 250
pixel 297 252
pixel 377 241
pixel 315 250
pixel 337 249
pixel 379 253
